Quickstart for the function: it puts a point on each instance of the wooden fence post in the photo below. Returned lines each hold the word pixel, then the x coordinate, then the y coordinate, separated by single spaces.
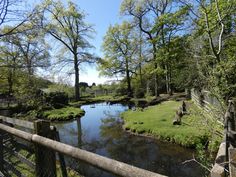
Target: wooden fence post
pixel 45 158
pixel 1 150
pixel 232 160
pixel 61 156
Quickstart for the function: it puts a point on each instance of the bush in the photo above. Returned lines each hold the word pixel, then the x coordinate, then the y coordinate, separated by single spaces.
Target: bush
pixel 56 99
pixel 120 91
pixel 139 92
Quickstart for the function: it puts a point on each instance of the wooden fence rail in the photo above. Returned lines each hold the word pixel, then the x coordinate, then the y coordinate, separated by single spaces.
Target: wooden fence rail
pixel 104 163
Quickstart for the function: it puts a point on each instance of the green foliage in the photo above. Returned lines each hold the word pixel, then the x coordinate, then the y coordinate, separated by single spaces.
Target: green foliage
pixel 139 92
pixel 61 88
pixel 63 114
pixel 204 158
pixel 119 46
pixel 56 99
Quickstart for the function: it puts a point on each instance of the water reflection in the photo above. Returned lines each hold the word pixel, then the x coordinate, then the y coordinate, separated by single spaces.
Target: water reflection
pixel 100 131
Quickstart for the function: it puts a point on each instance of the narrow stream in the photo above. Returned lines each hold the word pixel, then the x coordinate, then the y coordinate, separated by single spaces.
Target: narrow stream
pixel 100 131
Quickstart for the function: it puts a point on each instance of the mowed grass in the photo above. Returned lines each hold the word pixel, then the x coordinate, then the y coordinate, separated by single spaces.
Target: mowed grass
pixel 63 114
pixel 157 121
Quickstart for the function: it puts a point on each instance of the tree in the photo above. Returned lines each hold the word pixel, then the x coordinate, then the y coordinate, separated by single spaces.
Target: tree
pixel 171 24
pixel 141 11
pixel 9 62
pixel 120 46
pixel 149 15
pixel 10 13
pixel 34 51
pixel 213 23
pixel 22 53
pixel 67 26
pixel 213 19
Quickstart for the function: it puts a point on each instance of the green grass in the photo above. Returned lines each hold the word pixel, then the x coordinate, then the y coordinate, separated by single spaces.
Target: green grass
pixel 157 121
pixel 63 114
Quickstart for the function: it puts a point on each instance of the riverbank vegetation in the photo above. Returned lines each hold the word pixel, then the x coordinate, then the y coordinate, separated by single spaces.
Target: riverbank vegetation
pixel 156 121
pixel 63 114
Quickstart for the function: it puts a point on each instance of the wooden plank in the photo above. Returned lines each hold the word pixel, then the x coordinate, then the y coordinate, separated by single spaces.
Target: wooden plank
pixel 24 147
pixel 61 156
pixel 18 122
pixel 232 162
pixel 45 157
pixel 21 134
pixel 20 157
pixel 217 171
pixel 221 155
pixel 10 167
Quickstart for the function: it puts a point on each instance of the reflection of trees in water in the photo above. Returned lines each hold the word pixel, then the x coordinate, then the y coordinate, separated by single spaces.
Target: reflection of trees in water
pixel 120 145
pixel 143 152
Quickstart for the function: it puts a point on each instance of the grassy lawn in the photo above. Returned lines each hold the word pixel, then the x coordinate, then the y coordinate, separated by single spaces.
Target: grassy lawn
pixel 63 114
pixel 157 121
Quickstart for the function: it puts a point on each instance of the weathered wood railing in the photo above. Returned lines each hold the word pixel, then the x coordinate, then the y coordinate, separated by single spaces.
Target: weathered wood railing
pixel 46 146
pixel 40 128
pixel 225 163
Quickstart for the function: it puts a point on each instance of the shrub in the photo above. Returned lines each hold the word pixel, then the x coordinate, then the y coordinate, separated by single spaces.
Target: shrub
pixel 139 92
pixel 56 99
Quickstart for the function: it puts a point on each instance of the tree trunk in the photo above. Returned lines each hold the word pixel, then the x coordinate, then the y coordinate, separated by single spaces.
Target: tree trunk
pixel 10 83
pixel 140 75
pixel 76 68
pixel 140 58
pixel 167 79
pixel 129 90
pixel 155 67
pixel 170 81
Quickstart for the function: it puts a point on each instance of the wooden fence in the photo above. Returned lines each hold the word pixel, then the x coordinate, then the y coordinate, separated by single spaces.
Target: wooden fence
pixel 225 163
pixel 45 141
pixel 208 103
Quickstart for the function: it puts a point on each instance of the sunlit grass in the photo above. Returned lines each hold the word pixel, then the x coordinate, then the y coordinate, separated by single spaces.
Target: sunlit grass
pixel 63 114
pixel 157 121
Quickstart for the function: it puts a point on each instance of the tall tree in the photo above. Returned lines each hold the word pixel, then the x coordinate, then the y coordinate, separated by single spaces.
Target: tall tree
pixel 213 19
pixel 22 54
pixel 67 26
pixel 147 14
pixel 172 24
pixel 213 25
pixel 120 46
pixel 9 62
